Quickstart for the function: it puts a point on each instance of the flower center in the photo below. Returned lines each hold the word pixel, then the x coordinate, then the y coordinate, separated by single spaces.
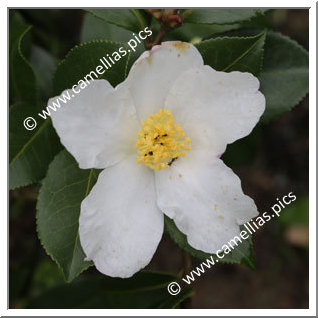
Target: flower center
pixel 161 141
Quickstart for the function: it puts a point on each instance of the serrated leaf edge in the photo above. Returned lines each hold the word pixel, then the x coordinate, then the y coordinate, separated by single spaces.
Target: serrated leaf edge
pixel 277 116
pixel 251 265
pixel 40 238
pixel 256 12
pixel 84 44
pixel 111 22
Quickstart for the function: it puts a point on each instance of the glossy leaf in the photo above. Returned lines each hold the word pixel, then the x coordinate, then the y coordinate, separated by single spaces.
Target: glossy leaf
pixel 285 75
pixel 94 28
pixel 131 19
pixel 145 290
pixel 43 65
pixel 234 53
pixel 97 29
pixel 191 32
pixel 30 151
pixel 242 254
pixel 220 16
pixel 133 56
pixel 58 209
pixel 84 59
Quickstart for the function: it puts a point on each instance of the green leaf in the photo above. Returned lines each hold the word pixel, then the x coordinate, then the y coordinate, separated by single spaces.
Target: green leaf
pixel 94 28
pixel 43 65
pixel 22 77
pixel 133 56
pixel 83 59
pixel 30 151
pixel 285 76
pixel 234 53
pixel 131 19
pixel 190 32
pixel 145 290
pixel 58 209
pixel 242 254
pixel 243 151
pixel 220 16
pixel 16 27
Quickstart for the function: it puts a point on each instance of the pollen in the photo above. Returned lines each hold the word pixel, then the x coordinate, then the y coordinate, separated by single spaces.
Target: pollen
pixel 161 141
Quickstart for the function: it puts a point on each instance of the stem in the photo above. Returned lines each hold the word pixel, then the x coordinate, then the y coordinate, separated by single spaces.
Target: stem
pixel 158 39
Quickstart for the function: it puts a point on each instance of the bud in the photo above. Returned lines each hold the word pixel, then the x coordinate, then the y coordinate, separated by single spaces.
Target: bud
pixel 174 21
pixel 169 18
pixel 172 18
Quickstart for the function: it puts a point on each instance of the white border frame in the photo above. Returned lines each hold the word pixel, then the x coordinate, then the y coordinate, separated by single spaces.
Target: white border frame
pixel 312 165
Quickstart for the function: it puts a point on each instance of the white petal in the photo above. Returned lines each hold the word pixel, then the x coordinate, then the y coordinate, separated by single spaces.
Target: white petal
pixel 215 108
pixel 155 71
pixel 205 199
pixel 98 126
pixel 120 225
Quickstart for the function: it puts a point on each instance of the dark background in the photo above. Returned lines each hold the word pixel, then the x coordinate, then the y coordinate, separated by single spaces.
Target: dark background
pixel 271 167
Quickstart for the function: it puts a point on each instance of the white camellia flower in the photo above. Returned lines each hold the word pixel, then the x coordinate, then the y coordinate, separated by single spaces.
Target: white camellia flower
pixel 159 136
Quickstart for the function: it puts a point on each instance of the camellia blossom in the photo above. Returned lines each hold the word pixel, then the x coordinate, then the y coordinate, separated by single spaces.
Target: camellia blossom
pixel 159 136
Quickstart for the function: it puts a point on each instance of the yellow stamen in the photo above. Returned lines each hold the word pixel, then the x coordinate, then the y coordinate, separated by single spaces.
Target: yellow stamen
pixel 161 141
